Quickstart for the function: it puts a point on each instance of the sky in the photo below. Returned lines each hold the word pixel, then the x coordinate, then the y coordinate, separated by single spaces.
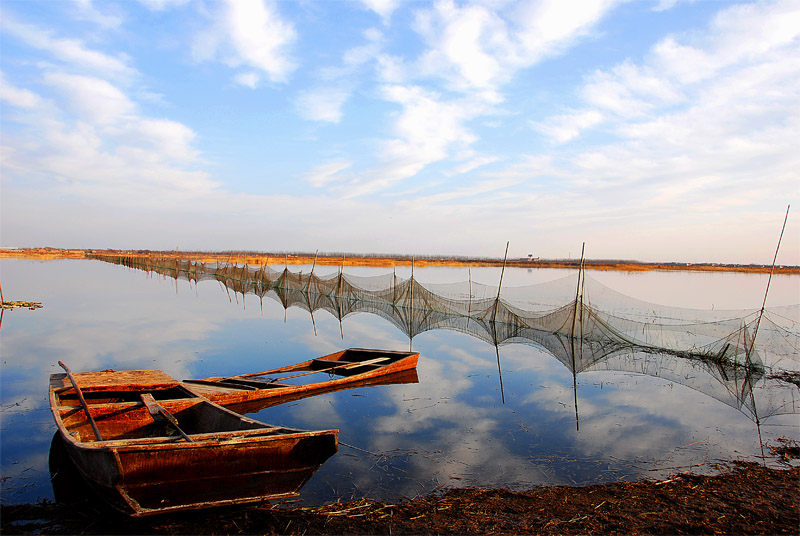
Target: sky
pixel 651 130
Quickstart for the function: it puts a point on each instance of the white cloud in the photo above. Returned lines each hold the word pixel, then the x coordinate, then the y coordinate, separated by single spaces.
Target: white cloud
pixel 19 97
pixel 89 12
pixel 564 128
pixel 324 104
pixel 171 139
pixel 248 79
pixel 325 174
pixel 91 142
pixel 473 163
pixel 664 5
pixel 547 27
pixel 693 100
pixel 160 5
pixel 72 51
pixel 476 49
pixel 93 98
pixel 470 44
pixel 384 8
pixel 480 49
pixel 249 33
pixel 737 35
pixel 425 130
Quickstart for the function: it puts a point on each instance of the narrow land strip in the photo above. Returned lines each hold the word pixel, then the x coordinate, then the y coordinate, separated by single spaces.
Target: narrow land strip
pixel 346 259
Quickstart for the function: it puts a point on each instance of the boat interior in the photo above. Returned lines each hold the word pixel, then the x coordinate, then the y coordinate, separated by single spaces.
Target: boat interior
pixel 130 420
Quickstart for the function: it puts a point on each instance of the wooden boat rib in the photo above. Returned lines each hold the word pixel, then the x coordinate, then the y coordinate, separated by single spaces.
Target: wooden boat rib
pixel 346 367
pixel 142 465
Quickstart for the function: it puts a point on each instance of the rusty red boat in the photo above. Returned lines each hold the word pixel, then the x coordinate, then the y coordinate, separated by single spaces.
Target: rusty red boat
pixel 149 445
pixel 340 369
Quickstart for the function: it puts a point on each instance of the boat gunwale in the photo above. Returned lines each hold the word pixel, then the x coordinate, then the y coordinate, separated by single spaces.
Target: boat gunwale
pixel 200 440
pixel 401 355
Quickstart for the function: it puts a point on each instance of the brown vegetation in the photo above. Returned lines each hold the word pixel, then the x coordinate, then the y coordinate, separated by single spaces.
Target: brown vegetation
pixel 327 259
pixel 751 499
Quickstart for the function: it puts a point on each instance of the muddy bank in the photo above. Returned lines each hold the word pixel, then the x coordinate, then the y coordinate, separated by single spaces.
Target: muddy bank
pixel 746 498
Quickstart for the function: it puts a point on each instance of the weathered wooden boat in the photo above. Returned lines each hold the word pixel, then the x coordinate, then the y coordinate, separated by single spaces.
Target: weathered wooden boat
pixel 256 405
pixel 328 373
pixel 149 445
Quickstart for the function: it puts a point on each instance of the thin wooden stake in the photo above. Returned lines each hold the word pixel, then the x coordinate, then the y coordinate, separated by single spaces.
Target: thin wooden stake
pixel 411 310
pixel 499 370
pixel 578 291
pixel 578 300
pixel 469 310
pixel 500 286
pixel 311 276
pixel 766 292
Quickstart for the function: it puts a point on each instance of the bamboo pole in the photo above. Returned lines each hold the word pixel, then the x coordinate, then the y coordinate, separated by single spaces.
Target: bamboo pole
pixel 499 370
pixel 469 309
pixel 412 284
pixel 578 290
pixel 311 276
pixel 578 299
pixel 411 311
pixel 766 292
pixel 339 291
pixel 500 286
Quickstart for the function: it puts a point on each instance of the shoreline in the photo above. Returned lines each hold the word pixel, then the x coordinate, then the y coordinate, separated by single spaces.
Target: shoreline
pixel 744 498
pixel 389 261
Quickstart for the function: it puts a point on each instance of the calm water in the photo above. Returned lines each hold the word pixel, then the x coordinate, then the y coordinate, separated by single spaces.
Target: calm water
pixel 478 416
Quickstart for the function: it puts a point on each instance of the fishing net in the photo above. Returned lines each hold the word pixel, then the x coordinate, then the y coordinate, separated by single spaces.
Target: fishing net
pixel 585 325
pixel 573 315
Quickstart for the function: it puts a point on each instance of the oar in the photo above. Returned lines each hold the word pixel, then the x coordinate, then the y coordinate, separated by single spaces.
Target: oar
pixel 343 365
pixel 155 408
pixel 83 400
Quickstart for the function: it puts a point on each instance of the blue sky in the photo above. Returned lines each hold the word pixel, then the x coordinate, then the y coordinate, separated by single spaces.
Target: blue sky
pixel 651 130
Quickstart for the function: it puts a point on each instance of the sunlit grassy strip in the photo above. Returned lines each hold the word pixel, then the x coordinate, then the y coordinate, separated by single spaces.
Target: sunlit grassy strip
pixel 391 260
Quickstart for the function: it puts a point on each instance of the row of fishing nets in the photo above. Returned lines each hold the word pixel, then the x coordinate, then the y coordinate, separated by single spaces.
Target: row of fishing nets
pixel 546 314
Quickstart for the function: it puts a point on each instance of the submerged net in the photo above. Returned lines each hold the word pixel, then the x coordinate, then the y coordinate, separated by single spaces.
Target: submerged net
pixel 582 323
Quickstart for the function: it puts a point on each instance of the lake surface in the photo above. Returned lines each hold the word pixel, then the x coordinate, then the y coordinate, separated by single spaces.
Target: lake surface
pixel 509 416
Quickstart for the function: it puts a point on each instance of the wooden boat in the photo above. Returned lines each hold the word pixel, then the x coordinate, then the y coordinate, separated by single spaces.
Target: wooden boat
pixel 328 373
pixel 257 404
pixel 149 445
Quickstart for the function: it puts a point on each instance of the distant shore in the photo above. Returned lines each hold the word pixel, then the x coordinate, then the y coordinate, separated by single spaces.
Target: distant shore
pixel 339 259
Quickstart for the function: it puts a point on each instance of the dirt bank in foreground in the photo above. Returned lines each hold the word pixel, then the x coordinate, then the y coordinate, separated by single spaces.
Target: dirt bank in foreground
pixel 749 499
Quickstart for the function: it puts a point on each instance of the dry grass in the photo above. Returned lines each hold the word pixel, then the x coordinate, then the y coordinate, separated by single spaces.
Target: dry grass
pixel 751 499
pixel 380 261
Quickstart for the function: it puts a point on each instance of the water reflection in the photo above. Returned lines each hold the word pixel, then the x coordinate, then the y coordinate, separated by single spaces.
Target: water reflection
pixel 455 427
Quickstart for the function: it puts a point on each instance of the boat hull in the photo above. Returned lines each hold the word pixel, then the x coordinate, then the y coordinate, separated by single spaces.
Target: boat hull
pixel 142 467
pixel 238 393
pixel 145 479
